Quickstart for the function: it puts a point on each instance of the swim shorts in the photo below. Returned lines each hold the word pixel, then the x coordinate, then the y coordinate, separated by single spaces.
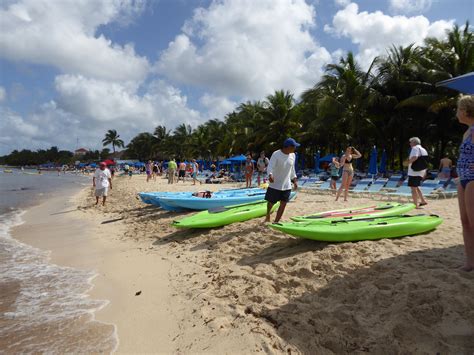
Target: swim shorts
pixel 273 195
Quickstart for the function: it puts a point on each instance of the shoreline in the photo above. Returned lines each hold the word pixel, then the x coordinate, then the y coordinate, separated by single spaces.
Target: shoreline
pixel 80 241
pixel 245 288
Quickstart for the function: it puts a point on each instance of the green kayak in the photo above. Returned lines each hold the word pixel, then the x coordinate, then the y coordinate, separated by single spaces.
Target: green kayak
pixel 371 228
pixel 225 215
pixel 379 210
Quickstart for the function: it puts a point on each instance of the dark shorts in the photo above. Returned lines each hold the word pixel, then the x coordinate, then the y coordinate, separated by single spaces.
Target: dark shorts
pixel 335 178
pixel 182 173
pixel 414 181
pixel 274 195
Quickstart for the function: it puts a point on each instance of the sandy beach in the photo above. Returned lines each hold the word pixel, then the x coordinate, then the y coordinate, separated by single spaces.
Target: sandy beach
pixel 245 288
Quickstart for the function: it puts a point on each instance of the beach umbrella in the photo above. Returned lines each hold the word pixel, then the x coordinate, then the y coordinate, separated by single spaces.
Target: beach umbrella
pixel 463 83
pixel 383 163
pixel 373 161
pixel 327 158
pixel 316 162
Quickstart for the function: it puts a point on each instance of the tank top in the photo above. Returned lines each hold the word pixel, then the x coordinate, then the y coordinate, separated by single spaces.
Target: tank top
pixel 466 157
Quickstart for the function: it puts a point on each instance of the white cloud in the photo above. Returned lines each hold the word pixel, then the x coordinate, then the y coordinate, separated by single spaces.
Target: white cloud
pixel 410 6
pixel 342 3
pixel 246 48
pixel 87 108
pixel 375 32
pixel 62 34
pixel 217 106
pixel 3 94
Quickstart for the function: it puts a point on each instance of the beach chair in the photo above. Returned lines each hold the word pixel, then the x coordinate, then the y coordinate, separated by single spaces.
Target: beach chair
pixel 428 188
pixel 310 183
pixel 376 187
pixel 361 187
pixel 323 187
pixel 393 182
pixel 449 190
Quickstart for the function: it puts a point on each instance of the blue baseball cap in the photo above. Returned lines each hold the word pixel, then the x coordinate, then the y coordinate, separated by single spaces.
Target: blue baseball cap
pixel 290 142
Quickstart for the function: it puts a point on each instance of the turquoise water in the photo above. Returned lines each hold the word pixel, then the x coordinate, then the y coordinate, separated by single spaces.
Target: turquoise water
pixel 43 306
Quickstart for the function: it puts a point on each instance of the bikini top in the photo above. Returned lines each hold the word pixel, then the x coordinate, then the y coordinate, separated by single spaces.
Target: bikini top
pixel 466 157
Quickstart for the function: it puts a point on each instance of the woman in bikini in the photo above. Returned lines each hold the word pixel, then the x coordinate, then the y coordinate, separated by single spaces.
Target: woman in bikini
pixel 249 168
pixel 347 171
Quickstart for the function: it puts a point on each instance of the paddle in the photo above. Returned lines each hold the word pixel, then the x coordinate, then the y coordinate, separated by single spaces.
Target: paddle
pixel 374 218
pixel 350 211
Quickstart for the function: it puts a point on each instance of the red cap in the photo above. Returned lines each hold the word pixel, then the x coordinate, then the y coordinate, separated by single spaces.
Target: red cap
pixel 102 164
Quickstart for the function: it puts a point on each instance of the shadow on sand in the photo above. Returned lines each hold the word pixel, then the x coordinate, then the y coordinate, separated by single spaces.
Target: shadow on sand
pixel 413 303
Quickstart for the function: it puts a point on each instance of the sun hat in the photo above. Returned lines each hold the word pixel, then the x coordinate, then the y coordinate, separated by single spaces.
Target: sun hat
pixel 290 142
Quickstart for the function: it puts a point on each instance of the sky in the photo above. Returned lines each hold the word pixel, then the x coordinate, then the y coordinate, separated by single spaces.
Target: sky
pixel 72 69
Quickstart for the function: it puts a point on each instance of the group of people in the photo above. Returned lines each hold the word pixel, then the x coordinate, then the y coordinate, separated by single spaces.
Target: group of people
pixel 181 169
pixel 262 164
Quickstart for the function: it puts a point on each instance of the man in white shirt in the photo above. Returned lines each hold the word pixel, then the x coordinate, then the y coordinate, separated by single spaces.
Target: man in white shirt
pixel 281 172
pixel 416 176
pixel 101 181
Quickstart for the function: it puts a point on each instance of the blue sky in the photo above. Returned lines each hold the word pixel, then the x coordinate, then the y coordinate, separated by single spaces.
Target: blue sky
pixel 71 71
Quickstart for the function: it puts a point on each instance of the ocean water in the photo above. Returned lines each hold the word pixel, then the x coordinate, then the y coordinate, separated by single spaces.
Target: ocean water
pixel 43 307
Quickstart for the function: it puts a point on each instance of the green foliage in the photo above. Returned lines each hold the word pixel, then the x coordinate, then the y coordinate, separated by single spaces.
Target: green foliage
pixel 112 137
pixel 41 156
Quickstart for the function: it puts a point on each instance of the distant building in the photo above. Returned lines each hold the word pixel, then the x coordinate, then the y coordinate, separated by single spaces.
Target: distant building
pixel 81 152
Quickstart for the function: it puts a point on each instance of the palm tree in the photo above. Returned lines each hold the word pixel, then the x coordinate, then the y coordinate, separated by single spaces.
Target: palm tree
pixel 111 137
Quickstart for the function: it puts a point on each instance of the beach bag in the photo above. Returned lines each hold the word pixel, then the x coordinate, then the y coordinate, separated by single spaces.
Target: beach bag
pixel 420 164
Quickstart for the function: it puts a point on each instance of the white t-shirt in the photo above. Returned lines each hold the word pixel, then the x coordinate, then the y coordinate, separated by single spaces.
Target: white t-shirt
pixel 282 167
pixel 102 178
pixel 417 151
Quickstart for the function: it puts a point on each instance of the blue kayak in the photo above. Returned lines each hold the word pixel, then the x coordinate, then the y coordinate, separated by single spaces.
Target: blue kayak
pixel 165 199
pixel 214 201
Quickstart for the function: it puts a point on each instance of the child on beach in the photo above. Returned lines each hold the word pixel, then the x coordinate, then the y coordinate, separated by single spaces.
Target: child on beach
pixel 334 170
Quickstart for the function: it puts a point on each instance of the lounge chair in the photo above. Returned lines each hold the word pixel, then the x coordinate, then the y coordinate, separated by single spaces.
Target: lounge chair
pixel 393 182
pixel 449 190
pixel 362 186
pixel 377 186
pixel 428 188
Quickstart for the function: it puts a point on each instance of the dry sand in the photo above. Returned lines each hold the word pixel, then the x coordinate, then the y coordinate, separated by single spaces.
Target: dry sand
pixel 246 288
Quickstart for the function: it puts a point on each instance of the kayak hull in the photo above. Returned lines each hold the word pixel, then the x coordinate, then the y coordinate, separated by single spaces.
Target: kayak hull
pixel 232 214
pixel 338 231
pixel 379 210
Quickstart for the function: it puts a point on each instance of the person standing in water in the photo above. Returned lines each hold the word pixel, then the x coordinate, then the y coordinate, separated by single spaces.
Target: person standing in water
pixel 347 171
pixel 281 173
pixel 248 171
pixel 101 181
pixel 262 164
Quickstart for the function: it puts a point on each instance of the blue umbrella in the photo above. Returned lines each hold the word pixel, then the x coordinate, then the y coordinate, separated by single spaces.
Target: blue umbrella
pixel 463 83
pixel 303 161
pixel 327 158
pixel 373 162
pixel 316 162
pixel 383 162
